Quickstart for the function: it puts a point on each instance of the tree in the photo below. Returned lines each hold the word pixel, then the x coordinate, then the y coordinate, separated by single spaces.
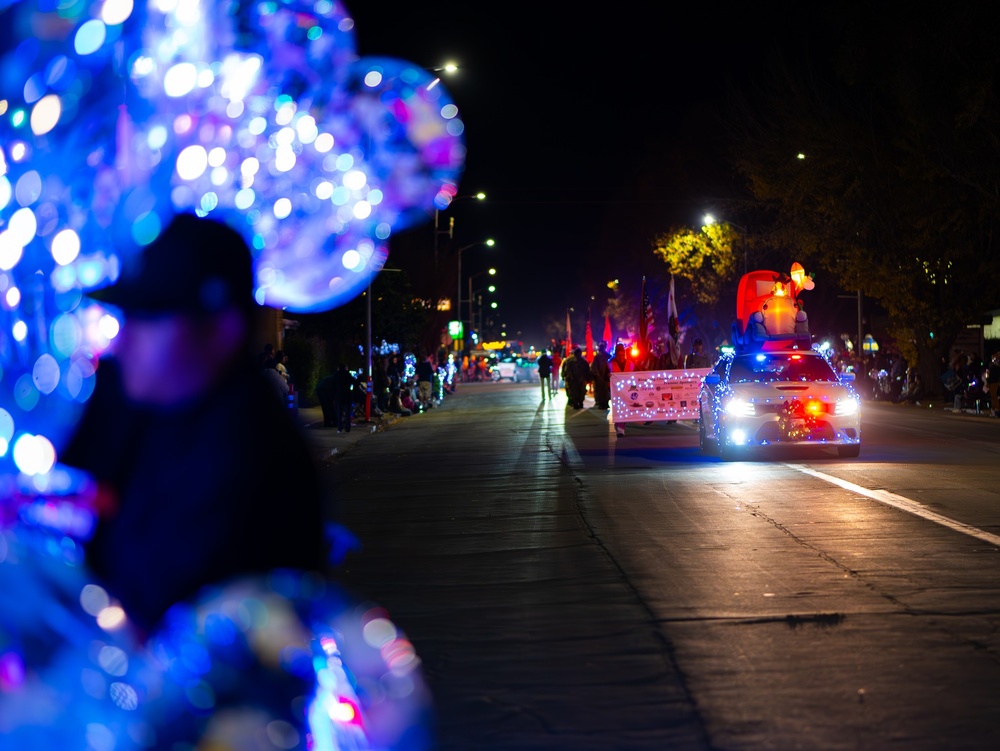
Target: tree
pixel 881 168
pixel 704 265
pixel 398 317
pixel 704 257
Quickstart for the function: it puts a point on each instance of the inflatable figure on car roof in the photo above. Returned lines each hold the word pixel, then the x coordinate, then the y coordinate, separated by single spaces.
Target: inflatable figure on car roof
pixel 769 314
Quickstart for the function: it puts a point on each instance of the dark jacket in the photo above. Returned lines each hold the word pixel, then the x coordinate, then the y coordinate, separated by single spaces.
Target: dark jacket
pixel 544 366
pixel 219 488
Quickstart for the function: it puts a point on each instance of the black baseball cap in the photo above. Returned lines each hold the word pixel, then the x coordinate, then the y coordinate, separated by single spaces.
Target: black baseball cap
pixel 196 265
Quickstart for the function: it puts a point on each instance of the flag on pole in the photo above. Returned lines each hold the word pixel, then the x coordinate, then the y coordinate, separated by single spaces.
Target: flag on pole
pixel 588 352
pixel 607 332
pixel 569 335
pixel 673 326
pixel 645 320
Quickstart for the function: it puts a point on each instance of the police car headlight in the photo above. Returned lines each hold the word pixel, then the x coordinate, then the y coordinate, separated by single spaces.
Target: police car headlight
pixel 846 407
pixel 740 408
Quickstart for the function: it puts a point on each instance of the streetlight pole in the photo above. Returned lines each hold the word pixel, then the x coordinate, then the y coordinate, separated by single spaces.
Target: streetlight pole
pixel 472 318
pixel 451 221
pixel 458 291
pixel 491 288
pixel 438 232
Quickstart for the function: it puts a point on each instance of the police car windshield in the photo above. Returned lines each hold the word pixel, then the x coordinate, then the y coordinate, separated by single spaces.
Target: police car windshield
pixel 768 367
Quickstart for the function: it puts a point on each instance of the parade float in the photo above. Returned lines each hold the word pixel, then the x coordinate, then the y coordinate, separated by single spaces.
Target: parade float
pixel 769 316
pixel 774 389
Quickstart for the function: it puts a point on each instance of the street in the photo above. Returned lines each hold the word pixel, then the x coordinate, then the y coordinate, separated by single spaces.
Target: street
pixel 569 591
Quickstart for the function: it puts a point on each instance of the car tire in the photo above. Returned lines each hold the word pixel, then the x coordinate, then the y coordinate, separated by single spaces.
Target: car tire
pixel 849 452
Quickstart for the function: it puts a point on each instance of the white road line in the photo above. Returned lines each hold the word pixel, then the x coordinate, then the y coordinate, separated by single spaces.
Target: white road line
pixel 902 503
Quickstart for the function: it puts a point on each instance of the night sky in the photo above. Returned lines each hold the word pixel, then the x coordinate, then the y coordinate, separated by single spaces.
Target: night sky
pixel 589 131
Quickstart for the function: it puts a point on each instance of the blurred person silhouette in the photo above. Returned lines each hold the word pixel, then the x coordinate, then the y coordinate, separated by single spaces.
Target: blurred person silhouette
pixel 279 385
pixel 697 358
pixel 281 365
pixel 202 476
pixel 992 378
pixel 912 390
pixel 600 371
pixel 266 356
pixel 344 385
pixel 545 374
pixel 621 363
pixel 556 370
pixel 425 374
pixel 576 374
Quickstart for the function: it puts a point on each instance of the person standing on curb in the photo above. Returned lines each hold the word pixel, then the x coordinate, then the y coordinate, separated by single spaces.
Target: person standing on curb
pixel 424 372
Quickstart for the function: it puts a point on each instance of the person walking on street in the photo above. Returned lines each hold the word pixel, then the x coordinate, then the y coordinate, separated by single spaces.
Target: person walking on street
pixel 556 371
pixel 545 374
pixel 697 358
pixel 600 372
pixel 576 374
pixel 620 363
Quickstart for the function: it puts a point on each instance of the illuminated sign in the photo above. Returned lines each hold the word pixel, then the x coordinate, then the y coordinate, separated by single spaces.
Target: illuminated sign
pixel 644 396
pixel 456 330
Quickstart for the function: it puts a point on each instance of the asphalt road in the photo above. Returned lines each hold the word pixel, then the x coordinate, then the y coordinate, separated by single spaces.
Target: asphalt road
pixel 567 590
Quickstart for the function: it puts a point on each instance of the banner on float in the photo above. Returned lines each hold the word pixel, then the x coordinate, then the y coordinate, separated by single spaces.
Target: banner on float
pixel 650 395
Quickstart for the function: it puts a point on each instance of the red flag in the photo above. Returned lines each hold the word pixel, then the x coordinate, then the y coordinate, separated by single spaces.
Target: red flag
pixel 569 336
pixel 588 353
pixel 607 332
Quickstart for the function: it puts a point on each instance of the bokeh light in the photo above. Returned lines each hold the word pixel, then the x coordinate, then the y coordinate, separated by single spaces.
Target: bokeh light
pixel 114 116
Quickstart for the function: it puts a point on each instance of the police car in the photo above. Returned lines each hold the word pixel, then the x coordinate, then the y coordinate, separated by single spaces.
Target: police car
pixel 758 400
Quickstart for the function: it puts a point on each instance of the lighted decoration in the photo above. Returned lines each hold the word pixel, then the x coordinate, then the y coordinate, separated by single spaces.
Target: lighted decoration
pixel 769 313
pixel 800 280
pixel 115 116
pixel 274 125
pixel 644 396
pixel 292 658
pixel 72 675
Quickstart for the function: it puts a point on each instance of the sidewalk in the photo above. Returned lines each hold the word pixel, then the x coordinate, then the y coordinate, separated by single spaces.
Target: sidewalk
pixel 329 443
pixel 937 405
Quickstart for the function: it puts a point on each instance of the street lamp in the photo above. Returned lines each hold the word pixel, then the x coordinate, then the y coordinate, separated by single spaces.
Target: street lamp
pixel 709 219
pixel 491 272
pixel 480 196
pixel 450 68
pixel 458 291
pixel 491 289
